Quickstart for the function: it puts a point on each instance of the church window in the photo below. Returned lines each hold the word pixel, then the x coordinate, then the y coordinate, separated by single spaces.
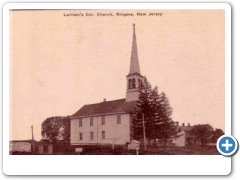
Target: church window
pixel 91 135
pixel 103 120
pixel 80 136
pixel 129 83
pixel 91 121
pixel 119 119
pixel 133 83
pixel 80 122
pixel 103 135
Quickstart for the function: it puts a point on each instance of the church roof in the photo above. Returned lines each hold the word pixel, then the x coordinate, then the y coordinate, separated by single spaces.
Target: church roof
pixel 134 64
pixel 107 107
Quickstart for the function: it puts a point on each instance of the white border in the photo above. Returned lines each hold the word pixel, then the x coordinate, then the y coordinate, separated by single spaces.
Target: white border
pixel 115 165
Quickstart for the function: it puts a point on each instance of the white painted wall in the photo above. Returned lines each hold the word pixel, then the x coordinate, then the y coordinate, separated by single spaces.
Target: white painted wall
pixel 132 95
pixel 119 133
pixel 180 141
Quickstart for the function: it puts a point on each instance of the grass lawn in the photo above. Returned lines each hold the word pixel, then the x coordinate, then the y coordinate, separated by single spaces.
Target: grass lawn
pixel 170 150
pixel 187 150
pixel 163 150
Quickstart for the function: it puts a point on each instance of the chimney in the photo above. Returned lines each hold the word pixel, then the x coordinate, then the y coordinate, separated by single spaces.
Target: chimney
pixel 188 124
pixel 177 123
pixel 183 125
pixel 104 100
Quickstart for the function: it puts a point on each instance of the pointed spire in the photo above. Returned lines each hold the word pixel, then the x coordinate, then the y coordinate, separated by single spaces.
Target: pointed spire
pixel 134 64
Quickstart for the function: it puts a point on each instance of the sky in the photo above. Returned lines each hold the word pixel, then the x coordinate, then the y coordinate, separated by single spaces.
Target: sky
pixel 59 63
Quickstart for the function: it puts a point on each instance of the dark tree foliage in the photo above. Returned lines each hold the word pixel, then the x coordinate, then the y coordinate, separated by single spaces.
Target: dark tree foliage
pixel 216 134
pixel 56 128
pixel 65 130
pixel 167 129
pixel 143 108
pixel 202 133
pixel 157 115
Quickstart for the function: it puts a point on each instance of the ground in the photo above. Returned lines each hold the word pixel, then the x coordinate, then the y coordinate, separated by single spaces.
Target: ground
pixel 121 150
pixel 171 150
pixel 185 150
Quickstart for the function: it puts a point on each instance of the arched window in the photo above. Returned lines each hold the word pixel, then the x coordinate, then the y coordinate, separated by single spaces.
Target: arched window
pixel 133 83
pixel 129 84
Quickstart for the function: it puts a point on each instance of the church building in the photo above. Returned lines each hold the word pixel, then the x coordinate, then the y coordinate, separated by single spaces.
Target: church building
pixel 109 122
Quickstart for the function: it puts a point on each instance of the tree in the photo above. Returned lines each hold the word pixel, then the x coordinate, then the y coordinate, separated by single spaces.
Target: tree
pixel 56 128
pixel 157 113
pixel 216 134
pixel 65 129
pixel 202 133
pixel 167 128
pixel 143 108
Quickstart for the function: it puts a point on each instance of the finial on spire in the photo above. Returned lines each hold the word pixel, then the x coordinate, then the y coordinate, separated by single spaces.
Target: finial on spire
pixel 133 26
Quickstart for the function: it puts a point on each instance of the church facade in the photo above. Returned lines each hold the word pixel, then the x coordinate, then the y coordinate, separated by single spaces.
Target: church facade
pixel 109 122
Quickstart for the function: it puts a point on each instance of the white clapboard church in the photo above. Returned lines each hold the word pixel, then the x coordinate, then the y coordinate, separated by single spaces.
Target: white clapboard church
pixel 109 121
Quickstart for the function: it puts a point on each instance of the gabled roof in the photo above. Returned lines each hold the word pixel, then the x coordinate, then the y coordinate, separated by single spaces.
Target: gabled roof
pixel 107 107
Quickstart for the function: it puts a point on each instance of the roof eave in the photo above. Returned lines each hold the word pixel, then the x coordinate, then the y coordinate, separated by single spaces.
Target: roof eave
pixel 94 115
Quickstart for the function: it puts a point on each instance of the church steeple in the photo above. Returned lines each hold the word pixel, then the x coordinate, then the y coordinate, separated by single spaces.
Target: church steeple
pixel 134 64
pixel 134 77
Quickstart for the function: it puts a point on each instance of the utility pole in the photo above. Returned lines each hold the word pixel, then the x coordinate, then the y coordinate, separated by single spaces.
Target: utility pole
pixel 97 130
pixel 144 135
pixel 32 144
pixel 32 132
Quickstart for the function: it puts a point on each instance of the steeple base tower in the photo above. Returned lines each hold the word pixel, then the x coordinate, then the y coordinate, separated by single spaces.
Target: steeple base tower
pixel 132 95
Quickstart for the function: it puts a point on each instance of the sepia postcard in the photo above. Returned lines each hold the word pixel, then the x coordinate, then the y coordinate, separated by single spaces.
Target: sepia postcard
pixel 114 80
